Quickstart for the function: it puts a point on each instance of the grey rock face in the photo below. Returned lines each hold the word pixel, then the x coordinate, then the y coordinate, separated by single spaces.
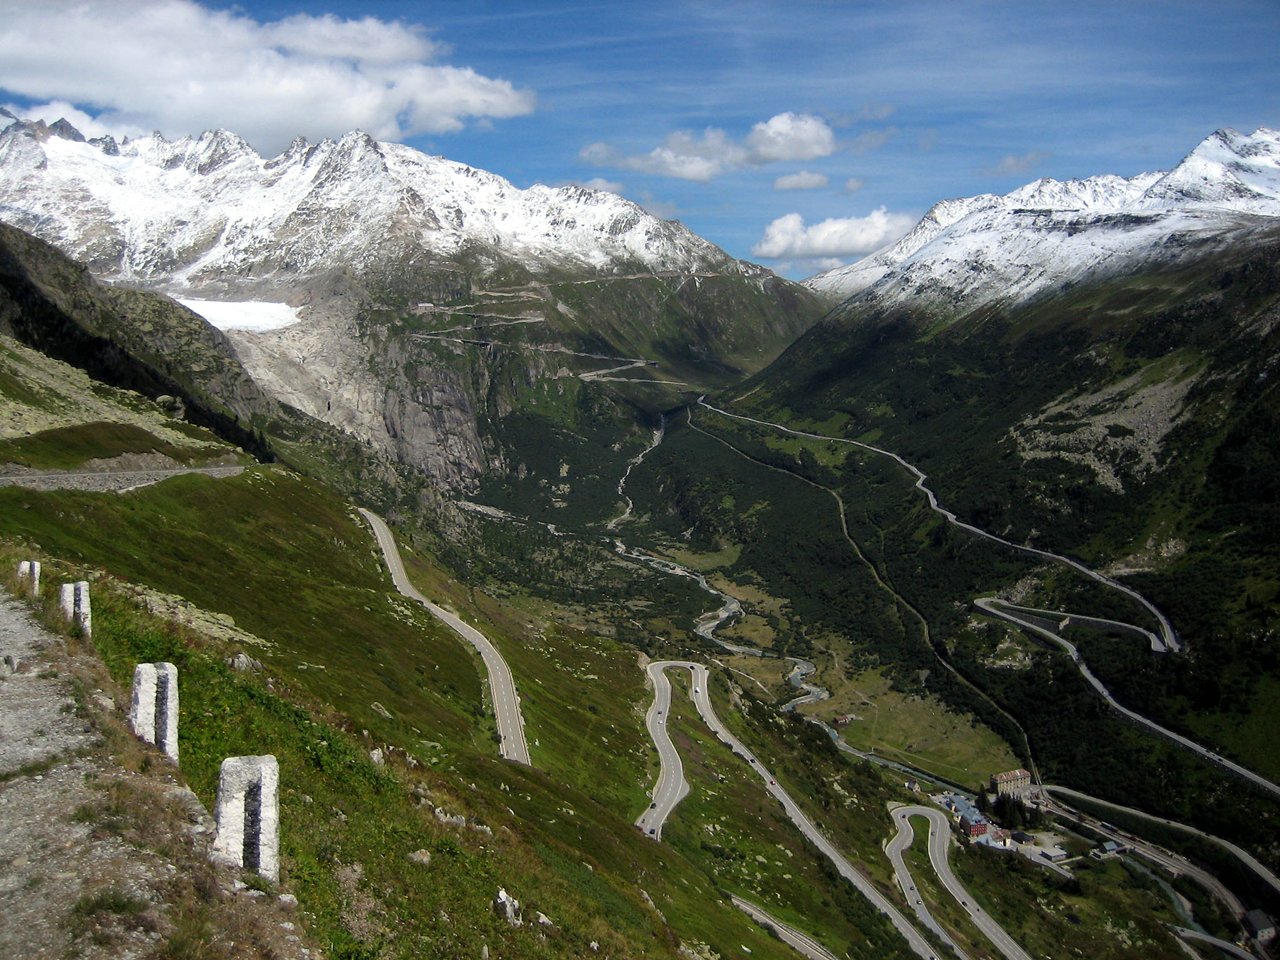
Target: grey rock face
pixel 243 663
pixel 248 815
pixel 508 908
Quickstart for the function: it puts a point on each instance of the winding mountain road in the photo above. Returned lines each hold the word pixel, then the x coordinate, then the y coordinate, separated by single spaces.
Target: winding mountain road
pixel 939 845
pixel 1167 640
pixel 894 850
pixel 502 686
pixel 1168 636
pixel 667 793
pixel 1017 616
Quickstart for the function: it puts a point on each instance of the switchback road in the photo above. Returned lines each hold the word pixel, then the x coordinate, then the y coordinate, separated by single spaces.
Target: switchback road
pixel 1167 640
pixel 702 701
pixel 939 844
pixel 894 850
pixel 502 686
pixel 1020 618
pixel 1168 637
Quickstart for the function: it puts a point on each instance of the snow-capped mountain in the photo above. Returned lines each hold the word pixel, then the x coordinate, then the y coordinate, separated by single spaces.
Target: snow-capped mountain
pixel 205 209
pixel 977 250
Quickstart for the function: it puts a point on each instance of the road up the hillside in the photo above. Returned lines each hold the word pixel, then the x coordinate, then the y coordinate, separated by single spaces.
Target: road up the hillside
pixel 1247 859
pixel 1168 636
pixel 98 481
pixel 939 844
pixel 796 939
pixel 894 849
pixel 671 787
pixel 1173 863
pixel 1167 640
pixel 502 686
pixel 996 608
pixel 702 700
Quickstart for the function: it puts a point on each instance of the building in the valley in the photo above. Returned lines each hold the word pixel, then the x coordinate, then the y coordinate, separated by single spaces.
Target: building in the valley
pixel 1108 849
pixel 1014 783
pixel 1260 925
pixel 972 822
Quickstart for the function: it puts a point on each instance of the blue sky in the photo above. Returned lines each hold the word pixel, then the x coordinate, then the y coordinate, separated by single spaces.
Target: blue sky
pixel 796 134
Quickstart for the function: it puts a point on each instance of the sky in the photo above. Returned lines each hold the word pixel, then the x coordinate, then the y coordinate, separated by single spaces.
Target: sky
pixel 801 135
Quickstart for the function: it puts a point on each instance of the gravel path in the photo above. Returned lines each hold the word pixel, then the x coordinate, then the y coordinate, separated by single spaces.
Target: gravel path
pixel 120 481
pixel 98 861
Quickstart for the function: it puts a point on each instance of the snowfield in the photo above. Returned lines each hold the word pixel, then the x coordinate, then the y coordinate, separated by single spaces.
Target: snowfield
pixel 257 316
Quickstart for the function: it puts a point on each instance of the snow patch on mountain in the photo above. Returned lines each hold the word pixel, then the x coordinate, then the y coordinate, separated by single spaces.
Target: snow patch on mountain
pixel 975 250
pixel 255 316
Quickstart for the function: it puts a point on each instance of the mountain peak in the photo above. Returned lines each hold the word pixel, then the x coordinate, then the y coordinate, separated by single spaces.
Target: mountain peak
pixel 187 211
pixel 976 249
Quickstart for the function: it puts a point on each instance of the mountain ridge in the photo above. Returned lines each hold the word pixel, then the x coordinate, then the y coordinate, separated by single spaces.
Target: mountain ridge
pixel 976 250
pixel 198 210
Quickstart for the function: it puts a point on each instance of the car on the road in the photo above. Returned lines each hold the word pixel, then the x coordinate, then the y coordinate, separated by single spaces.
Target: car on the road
pixel 652 831
pixel 652 805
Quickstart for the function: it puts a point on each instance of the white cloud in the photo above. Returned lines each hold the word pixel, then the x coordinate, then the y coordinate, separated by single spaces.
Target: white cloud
pixel 600 183
pixel 1016 163
pixel 791 136
pixel 90 126
pixel 179 67
pixel 804 180
pixel 682 155
pixel 853 185
pixel 850 236
pixel 702 157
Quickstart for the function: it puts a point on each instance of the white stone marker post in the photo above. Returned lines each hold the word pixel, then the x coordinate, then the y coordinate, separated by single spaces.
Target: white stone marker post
pixel 29 570
pixel 153 714
pixel 83 615
pixel 248 815
pixel 67 599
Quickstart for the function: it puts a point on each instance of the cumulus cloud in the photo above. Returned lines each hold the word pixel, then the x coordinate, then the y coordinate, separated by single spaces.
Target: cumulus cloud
pixel 179 67
pixel 790 136
pixel 1015 163
pixel 788 236
pixel 690 156
pixel 804 180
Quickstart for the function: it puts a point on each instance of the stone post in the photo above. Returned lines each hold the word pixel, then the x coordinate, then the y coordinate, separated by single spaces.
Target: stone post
pixel 29 571
pixel 67 600
pixel 84 617
pixel 248 815
pixel 153 714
